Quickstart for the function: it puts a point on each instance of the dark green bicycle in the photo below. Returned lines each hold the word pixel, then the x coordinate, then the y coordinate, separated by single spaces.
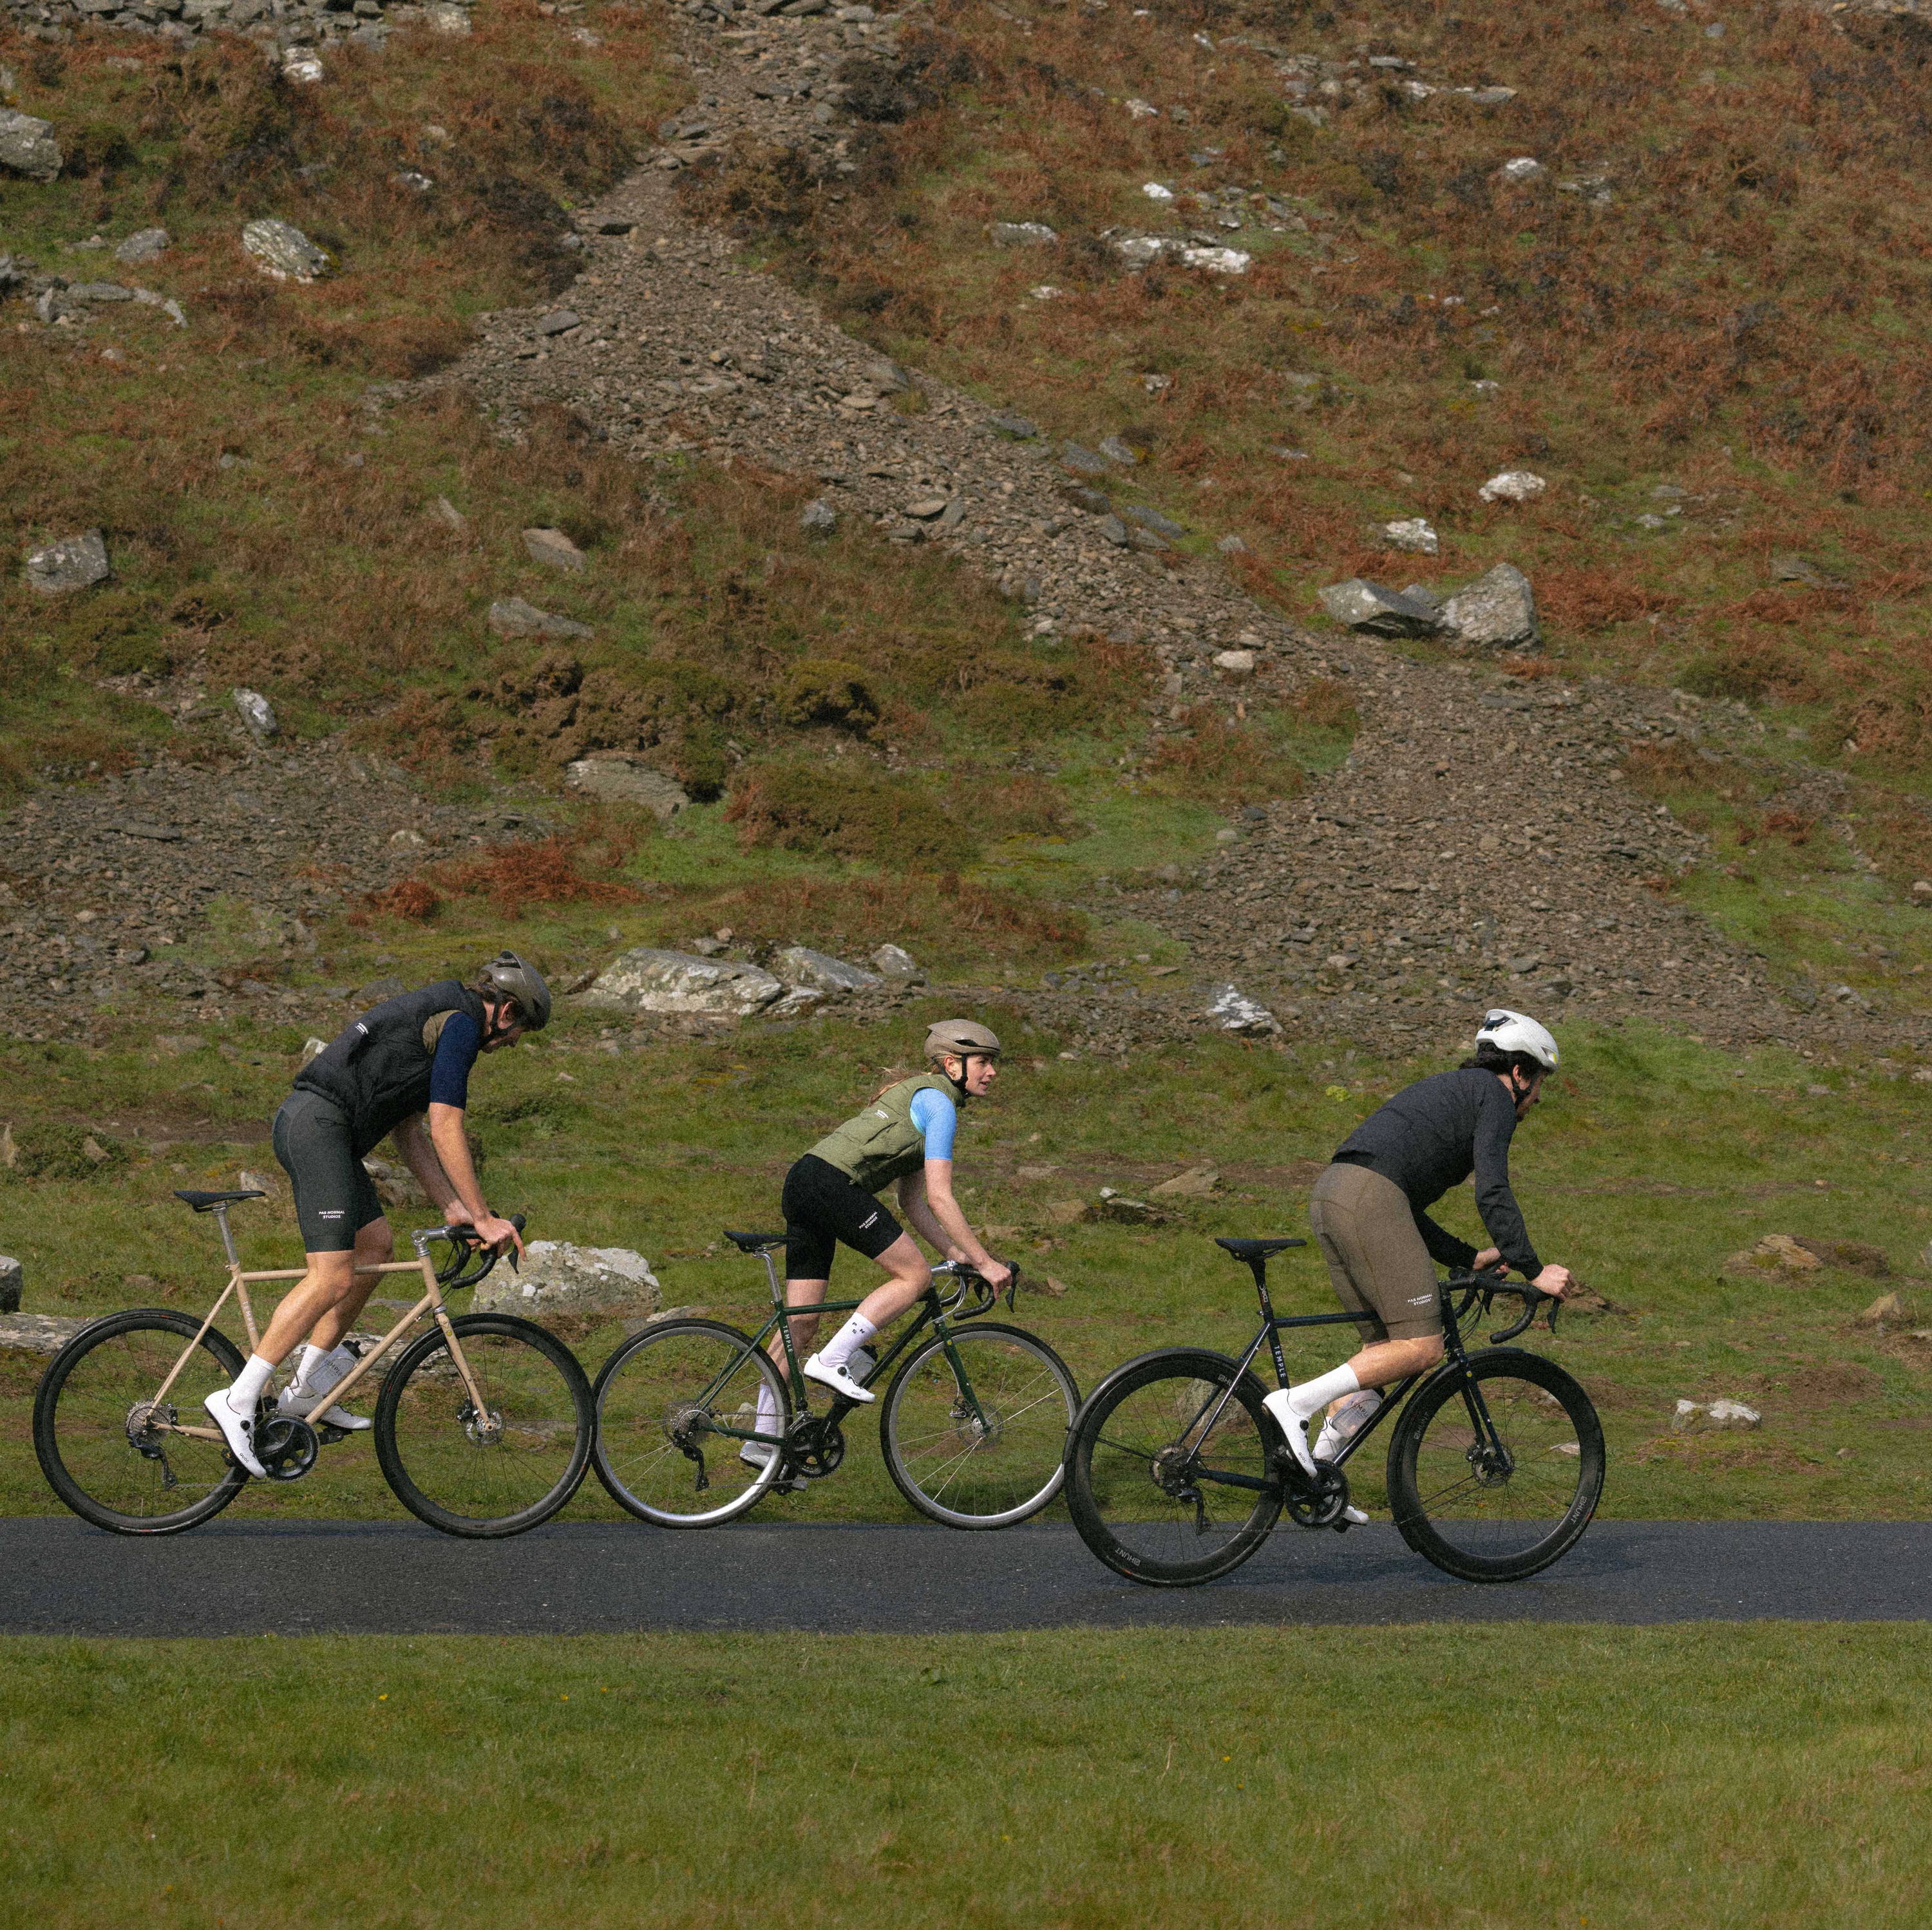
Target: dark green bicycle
pixel 973 1424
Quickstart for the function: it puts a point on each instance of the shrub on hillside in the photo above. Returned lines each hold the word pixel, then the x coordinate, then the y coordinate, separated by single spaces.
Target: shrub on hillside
pixel 822 690
pixel 860 813
pixel 1218 762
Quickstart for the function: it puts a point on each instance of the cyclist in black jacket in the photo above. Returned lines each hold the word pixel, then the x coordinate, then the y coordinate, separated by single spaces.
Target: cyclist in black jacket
pixel 1369 1216
pixel 402 1068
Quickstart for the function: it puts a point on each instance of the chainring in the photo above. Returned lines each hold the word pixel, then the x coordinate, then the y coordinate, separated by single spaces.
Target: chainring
pixel 814 1447
pixel 286 1448
pixel 1317 1503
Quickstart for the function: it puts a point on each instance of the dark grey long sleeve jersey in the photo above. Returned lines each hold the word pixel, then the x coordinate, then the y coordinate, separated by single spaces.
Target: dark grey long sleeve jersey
pixel 1431 1136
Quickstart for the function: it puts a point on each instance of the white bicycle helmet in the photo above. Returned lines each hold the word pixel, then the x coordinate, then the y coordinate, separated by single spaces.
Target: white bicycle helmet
pixel 1516 1032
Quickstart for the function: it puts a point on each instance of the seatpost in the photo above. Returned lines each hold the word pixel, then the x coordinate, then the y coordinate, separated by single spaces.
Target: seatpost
pixel 227 1238
pixel 1257 1266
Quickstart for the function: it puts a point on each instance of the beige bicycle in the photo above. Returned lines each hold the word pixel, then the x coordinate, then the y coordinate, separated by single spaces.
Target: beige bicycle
pixel 483 1425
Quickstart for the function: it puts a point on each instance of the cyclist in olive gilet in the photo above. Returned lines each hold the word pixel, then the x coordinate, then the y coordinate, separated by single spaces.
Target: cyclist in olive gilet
pixel 905 1135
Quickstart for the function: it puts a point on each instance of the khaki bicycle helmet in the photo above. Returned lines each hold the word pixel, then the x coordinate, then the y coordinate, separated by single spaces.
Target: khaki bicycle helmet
pixel 507 976
pixel 961 1038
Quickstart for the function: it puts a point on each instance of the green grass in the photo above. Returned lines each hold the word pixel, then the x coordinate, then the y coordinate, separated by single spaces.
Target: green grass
pixel 1766 1777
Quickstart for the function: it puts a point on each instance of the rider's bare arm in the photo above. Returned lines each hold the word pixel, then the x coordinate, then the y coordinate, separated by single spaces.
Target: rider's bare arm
pixel 926 1197
pixel 412 1139
pixel 451 1149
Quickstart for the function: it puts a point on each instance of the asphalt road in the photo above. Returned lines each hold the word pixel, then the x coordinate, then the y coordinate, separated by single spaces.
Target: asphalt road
pixel 59 1577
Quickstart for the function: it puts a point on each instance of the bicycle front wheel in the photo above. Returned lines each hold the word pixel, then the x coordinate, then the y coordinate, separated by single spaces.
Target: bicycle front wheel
pixel 677 1411
pixel 1495 1469
pixel 1168 1473
pixel 492 1469
pixel 108 1441
pixel 982 1445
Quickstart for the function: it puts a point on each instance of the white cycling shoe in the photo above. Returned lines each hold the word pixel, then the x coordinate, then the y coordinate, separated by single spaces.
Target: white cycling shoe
pixel 295 1400
pixel 237 1430
pixel 757 1453
pixel 838 1377
pixel 1293 1427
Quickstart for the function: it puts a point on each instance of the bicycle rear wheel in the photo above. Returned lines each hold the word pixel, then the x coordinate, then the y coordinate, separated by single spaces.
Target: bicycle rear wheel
pixel 1495 1470
pixel 677 1406
pixel 1142 1463
pixel 499 1471
pixel 109 1450
pixel 987 1458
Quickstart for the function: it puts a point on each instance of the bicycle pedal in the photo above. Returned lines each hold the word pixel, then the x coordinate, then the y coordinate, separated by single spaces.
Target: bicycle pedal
pixel 328 1435
pixel 787 1484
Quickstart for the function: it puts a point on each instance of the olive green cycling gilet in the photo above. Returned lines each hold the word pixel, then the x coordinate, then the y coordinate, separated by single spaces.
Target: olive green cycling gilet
pixel 882 1144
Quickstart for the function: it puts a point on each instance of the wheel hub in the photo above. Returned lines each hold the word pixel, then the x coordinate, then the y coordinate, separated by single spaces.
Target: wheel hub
pixel 1173 1471
pixel 1493 1466
pixel 146 1419
pixel 485 1429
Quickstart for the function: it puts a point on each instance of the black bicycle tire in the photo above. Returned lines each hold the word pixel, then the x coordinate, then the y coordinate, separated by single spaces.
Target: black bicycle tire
pixel 658 1331
pixel 46 1396
pixel 1199 1364
pixel 1405 1503
pixel 947 1517
pixel 469 1528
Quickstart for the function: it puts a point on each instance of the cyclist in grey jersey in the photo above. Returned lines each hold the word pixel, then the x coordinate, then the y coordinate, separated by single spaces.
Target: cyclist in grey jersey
pixel 1368 1213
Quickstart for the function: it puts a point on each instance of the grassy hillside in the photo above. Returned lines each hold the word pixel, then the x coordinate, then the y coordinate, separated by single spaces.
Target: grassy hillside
pixel 1698 317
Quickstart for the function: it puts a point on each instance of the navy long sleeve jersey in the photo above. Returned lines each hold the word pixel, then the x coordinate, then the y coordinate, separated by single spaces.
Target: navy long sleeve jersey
pixel 1431 1136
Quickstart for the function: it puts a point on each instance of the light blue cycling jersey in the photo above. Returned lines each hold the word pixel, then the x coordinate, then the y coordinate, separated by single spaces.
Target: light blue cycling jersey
pixel 937 1118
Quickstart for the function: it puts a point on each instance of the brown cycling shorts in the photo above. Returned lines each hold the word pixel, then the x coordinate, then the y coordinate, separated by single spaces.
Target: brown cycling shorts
pixel 1377 1262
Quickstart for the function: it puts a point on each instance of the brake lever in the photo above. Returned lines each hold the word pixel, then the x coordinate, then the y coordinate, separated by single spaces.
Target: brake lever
pixel 1012 1289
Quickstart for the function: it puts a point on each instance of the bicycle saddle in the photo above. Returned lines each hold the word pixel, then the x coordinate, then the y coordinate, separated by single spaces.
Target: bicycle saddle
pixel 1257 1250
pixel 206 1202
pixel 754 1242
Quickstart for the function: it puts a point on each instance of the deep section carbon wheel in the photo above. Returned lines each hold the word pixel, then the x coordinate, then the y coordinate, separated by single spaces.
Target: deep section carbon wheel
pixel 1168 1474
pixel 1496 1467
pixel 107 1435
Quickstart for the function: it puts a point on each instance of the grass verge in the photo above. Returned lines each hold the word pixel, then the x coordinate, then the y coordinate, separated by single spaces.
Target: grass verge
pixel 1768 1775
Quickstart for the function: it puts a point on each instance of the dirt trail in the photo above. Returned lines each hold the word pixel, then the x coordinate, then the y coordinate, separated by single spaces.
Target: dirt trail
pixel 1480 844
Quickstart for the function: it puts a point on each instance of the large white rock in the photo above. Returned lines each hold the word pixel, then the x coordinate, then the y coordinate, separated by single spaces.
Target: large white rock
pixel 557 1277
pixel 1721 1417
pixel 1363 605
pixel 819 971
pixel 617 778
pixel 1497 612
pixel 647 980
pixel 1513 485
pixel 1233 1011
pixel 28 146
pixel 282 250
pixel 74 563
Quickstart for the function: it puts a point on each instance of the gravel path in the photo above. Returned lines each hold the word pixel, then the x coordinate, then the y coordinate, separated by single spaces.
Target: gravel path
pixel 58 1577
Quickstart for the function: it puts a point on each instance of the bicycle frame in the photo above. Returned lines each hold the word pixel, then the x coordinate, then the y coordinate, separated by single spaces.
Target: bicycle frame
pixel 1455 1357
pixel 932 1313
pixel 239 1282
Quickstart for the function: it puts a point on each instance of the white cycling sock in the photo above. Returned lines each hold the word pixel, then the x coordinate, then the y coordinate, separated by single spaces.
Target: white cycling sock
pixel 837 1350
pixel 248 1384
pixel 767 1422
pixel 1311 1396
pixel 305 1365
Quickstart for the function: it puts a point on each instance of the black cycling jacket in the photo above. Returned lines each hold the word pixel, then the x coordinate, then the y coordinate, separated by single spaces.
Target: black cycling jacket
pixel 1431 1136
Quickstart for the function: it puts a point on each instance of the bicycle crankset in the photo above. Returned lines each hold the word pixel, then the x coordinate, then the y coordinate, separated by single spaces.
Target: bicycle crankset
pixel 287 1448
pixel 814 1447
pixel 1317 1503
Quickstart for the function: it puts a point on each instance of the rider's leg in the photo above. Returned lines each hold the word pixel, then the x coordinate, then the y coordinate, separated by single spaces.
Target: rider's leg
pixel 324 1360
pixel 375 1246
pixel 1379 1268
pixel 909 1277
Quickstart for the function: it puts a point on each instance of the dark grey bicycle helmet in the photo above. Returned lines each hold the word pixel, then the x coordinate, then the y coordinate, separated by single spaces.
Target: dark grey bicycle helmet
pixel 506 976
